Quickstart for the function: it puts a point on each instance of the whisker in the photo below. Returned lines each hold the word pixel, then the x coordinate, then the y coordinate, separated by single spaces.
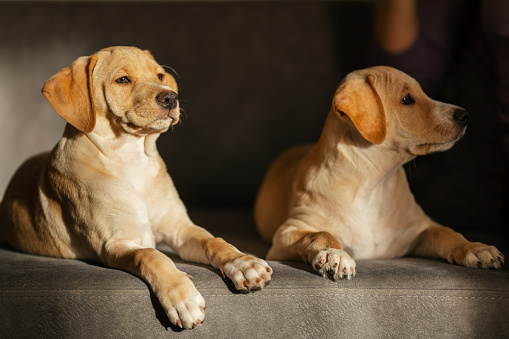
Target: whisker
pixel 183 113
pixel 172 70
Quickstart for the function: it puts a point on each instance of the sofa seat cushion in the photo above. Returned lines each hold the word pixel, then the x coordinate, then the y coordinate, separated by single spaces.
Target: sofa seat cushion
pixel 406 297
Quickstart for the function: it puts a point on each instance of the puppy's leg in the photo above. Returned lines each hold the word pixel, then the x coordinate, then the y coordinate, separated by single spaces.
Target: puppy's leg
pixel 320 249
pixel 194 243
pixel 443 242
pixel 183 304
pixel 247 272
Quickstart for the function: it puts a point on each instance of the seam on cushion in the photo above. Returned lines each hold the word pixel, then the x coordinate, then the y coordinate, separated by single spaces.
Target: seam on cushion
pixel 276 295
pixel 354 295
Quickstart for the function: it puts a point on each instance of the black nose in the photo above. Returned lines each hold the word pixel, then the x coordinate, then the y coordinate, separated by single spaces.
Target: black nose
pixel 461 117
pixel 167 99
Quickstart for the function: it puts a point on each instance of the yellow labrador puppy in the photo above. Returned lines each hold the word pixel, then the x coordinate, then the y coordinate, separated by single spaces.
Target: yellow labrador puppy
pixel 347 196
pixel 104 193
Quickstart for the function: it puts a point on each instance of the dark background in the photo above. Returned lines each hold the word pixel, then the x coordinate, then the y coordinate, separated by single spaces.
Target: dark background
pixel 254 78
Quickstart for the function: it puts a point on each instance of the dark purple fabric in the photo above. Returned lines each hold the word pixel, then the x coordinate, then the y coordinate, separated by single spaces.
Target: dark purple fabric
pixel 444 29
pixel 495 25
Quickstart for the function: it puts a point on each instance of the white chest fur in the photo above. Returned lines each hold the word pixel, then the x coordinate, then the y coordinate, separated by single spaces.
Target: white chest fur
pixel 131 164
pixel 133 183
pixel 380 222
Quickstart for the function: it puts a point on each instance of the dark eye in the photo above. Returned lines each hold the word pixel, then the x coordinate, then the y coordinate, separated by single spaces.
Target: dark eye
pixel 160 76
pixel 123 80
pixel 407 100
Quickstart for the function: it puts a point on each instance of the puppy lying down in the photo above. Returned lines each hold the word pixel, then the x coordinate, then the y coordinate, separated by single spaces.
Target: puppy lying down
pixel 348 197
pixel 104 193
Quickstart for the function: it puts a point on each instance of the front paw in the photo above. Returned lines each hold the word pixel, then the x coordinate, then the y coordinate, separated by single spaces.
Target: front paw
pixel 335 264
pixel 182 302
pixel 477 255
pixel 248 273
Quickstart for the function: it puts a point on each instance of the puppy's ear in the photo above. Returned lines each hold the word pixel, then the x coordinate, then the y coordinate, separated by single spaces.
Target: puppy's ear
pixel 146 51
pixel 70 93
pixel 358 99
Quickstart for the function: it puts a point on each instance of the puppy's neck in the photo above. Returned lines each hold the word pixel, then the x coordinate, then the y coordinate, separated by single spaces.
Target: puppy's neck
pixel 111 143
pixel 345 150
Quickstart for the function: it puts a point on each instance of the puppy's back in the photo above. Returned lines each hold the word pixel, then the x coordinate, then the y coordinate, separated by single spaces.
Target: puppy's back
pixel 17 226
pixel 273 200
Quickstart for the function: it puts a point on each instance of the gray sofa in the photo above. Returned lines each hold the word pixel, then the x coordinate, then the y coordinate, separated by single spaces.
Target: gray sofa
pixel 401 298
pixel 255 78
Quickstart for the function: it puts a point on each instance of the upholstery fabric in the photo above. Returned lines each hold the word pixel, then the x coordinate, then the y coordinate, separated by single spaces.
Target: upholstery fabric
pixel 405 298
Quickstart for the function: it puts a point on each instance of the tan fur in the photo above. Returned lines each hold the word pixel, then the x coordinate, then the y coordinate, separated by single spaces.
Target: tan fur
pixel 351 185
pixel 104 193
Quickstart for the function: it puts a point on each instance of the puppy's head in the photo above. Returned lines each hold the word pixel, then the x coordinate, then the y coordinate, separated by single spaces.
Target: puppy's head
pixel 123 84
pixel 389 109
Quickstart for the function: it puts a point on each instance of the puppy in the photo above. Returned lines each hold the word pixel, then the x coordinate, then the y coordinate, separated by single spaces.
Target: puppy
pixel 347 196
pixel 104 193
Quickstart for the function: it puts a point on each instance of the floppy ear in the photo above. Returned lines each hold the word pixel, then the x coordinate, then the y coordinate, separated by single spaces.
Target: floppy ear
pixel 358 99
pixel 146 51
pixel 70 93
